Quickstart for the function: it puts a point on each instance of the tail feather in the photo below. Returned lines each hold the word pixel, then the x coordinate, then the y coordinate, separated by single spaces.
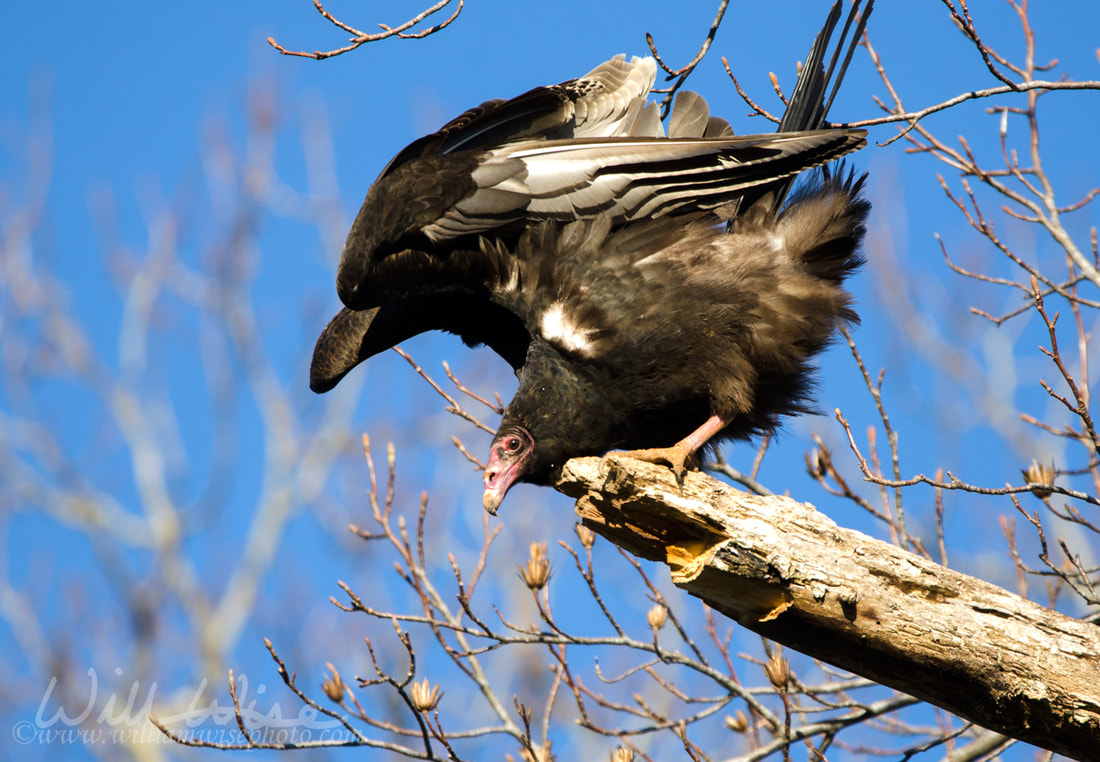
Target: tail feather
pixel 860 26
pixel 807 106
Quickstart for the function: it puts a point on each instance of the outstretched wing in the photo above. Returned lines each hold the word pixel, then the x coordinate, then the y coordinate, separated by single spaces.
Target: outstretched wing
pixel 431 246
pixel 417 229
pixel 633 178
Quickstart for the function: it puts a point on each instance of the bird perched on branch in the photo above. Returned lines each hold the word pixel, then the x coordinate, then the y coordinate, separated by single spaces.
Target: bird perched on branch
pixel 647 289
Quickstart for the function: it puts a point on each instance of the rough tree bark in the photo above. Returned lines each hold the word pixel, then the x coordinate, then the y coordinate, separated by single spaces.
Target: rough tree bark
pixel 786 571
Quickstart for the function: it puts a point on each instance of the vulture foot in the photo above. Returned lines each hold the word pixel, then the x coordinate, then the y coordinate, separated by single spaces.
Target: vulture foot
pixel 678 457
pixel 683 453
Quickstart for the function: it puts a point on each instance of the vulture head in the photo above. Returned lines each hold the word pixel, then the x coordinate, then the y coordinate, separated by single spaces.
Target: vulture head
pixel 536 436
pixel 512 456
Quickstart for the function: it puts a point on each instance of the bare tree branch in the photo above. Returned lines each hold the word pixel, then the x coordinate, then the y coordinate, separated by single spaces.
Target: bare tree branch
pixel 358 37
pixel 786 571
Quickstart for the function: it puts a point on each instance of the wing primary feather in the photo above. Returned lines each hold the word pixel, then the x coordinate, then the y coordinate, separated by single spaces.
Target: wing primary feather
pixel 605 176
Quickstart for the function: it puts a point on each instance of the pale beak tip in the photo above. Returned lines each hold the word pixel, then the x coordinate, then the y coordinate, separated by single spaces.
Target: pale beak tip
pixel 491 502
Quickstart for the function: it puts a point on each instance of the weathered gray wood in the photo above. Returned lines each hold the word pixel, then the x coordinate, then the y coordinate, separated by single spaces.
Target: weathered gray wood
pixel 788 572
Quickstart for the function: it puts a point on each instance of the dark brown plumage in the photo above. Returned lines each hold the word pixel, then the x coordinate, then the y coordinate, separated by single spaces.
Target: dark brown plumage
pixel 564 231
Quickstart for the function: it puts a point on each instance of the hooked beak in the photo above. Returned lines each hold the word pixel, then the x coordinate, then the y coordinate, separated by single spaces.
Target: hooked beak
pixel 499 478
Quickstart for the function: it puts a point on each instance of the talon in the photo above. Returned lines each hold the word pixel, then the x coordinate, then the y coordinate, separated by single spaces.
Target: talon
pixel 676 457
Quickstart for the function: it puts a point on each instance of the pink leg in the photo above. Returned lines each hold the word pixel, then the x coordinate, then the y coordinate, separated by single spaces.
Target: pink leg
pixel 678 455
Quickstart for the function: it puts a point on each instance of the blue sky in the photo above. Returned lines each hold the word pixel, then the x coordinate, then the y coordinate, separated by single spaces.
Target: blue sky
pixel 126 99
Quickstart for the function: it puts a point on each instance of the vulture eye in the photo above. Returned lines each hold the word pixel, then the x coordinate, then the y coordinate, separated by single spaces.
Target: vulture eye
pixel 512 444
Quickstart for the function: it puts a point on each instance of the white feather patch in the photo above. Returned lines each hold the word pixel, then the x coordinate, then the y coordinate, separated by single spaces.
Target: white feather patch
pixel 556 327
pixel 512 284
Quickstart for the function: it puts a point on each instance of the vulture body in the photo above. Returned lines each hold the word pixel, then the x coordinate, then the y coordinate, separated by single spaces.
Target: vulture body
pixel 646 289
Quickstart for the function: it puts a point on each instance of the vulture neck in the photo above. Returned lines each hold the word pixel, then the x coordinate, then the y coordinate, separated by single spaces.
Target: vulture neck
pixel 566 406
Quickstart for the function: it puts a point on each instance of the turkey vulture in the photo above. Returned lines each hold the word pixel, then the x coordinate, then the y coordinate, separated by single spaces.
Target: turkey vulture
pixel 646 289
